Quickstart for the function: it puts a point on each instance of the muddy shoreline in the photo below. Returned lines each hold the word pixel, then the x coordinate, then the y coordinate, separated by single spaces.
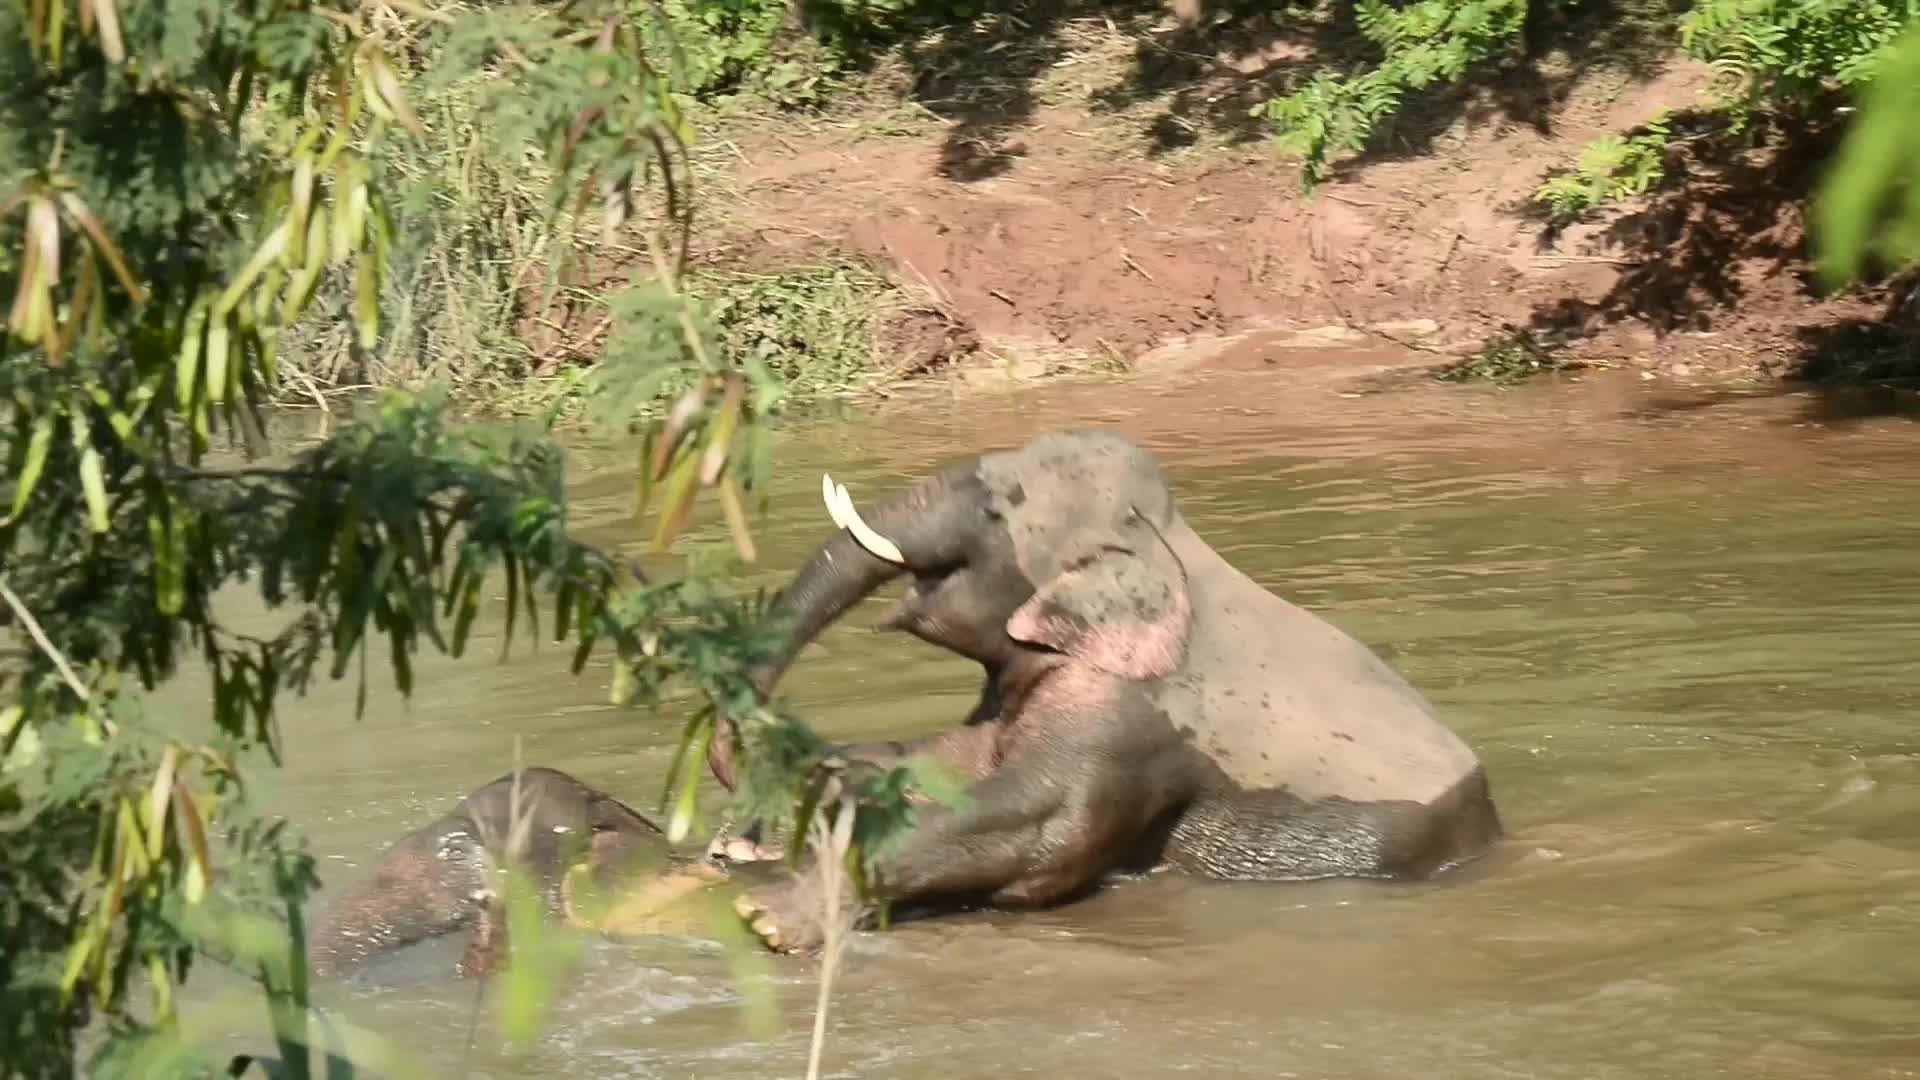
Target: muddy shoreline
pixel 1082 249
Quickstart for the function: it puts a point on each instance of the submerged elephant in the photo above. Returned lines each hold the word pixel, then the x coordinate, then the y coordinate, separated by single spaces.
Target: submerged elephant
pixel 438 879
pixel 1146 703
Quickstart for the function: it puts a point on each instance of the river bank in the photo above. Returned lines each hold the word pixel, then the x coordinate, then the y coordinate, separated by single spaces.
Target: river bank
pixel 1045 221
pixel 1000 203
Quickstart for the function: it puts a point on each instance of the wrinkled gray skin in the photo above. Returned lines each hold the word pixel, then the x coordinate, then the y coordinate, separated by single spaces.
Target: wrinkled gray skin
pixel 435 880
pixel 1145 703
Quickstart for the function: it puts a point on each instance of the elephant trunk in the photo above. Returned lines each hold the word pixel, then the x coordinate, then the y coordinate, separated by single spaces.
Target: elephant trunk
pixel 924 526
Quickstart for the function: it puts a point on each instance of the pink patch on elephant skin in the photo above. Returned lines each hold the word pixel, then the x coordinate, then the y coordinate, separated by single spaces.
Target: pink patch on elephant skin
pixel 1130 648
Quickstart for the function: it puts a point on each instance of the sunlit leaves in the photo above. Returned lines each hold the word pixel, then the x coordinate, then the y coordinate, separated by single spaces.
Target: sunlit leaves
pixel 1788 52
pixel 32 316
pixel 152 843
pixel 1423 44
pixel 179 211
pixel 1869 203
pixel 1610 167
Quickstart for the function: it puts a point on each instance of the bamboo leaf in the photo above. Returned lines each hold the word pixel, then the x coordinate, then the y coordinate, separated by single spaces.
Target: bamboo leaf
pixel 187 367
pixel 645 482
pixel 109 19
pixel 300 287
pixel 39 269
pixel 736 515
pixel 366 302
pixel 679 502
pixel 386 88
pixel 218 344
pixel 191 823
pixel 675 427
pixel 469 608
pixel 803 816
pixel 620 688
pixel 93 483
pixel 36 459
pixel 103 244
pixel 513 603
pixel 268 251
pixel 158 798
pixel 56 32
pixel 681 749
pixel 43 232
pixel 299 206
pixel 760 462
pixel 720 435
pixel 79 306
pixel 398 656
pixel 683 811
pixel 169 559
pixel 193 838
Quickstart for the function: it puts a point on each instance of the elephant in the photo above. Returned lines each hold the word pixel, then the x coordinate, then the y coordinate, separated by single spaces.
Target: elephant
pixel 579 843
pixel 1146 705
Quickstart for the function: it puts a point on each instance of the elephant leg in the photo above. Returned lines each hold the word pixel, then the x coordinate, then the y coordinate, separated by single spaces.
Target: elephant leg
pixel 1276 836
pixel 1037 830
pixel 968 750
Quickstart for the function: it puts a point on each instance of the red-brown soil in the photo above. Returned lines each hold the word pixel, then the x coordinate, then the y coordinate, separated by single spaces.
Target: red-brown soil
pixel 1078 242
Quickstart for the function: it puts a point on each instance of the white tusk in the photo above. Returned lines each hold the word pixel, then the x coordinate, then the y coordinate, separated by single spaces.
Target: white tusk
pixel 864 533
pixel 828 493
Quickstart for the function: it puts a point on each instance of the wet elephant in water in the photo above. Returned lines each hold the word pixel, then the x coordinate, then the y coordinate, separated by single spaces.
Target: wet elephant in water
pixel 1145 702
pixel 439 878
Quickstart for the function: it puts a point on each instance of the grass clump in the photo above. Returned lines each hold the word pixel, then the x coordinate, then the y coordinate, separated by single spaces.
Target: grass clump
pixel 1512 356
pixel 815 326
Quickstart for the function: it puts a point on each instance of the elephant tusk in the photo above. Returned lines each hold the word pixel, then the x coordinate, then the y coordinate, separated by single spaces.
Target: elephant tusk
pixel 830 495
pixel 840 509
pixel 864 533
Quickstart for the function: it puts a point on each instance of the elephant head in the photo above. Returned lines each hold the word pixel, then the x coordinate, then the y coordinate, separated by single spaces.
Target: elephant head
pixel 440 878
pixel 1053 551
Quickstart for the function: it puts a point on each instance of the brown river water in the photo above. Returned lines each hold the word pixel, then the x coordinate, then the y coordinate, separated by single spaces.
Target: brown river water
pixel 1680 629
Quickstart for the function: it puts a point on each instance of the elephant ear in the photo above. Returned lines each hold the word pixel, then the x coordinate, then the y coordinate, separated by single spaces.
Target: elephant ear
pixel 1123 609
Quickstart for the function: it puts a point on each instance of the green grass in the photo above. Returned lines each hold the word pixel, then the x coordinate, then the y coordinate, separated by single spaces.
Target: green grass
pixel 816 325
pixel 1509 357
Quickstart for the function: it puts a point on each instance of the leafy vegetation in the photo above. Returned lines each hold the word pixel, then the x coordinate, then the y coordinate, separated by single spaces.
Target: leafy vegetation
pixel 1611 167
pixel 1791 54
pixel 1868 205
pixel 184 185
pixel 814 326
pixel 1509 357
pixel 1423 45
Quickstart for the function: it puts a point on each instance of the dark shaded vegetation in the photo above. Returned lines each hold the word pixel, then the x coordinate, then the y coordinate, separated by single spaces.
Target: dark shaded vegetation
pixel 1730 206
pixel 979 65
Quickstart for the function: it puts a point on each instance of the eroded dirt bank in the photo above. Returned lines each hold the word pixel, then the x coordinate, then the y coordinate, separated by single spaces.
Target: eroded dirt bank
pixel 1056 230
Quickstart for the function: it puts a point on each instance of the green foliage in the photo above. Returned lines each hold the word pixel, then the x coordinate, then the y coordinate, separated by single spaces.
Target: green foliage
pixel 813 326
pixel 1611 167
pixel 1868 204
pixel 1790 53
pixel 730 45
pixel 1509 357
pixel 1424 44
pixel 181 181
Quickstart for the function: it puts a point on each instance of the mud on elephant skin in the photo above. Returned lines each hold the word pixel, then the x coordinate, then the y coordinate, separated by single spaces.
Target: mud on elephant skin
pixel 1145 702
pixel 599 865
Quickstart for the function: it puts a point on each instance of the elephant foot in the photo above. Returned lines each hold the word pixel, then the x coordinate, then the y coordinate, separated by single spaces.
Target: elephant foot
pixel 791 917
pixel 744 846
